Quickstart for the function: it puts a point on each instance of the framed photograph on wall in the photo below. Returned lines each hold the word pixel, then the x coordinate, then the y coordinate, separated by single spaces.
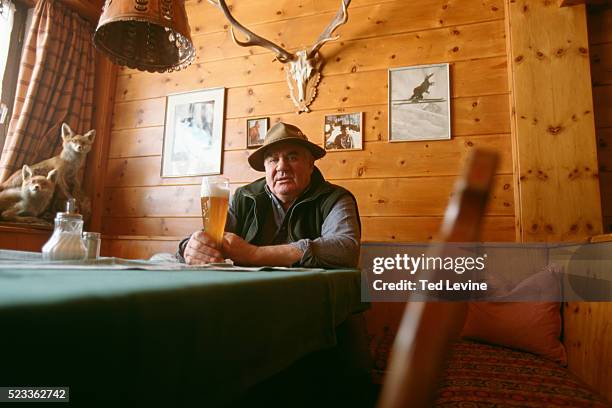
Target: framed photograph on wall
pixel 193 133
pixel 419 103
pixel 256 131
pixel 343 132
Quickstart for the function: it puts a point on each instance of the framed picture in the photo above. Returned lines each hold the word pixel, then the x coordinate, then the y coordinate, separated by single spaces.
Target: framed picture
pixel 256 131
pixel 343 132
pixel 193 133
pixel 419 103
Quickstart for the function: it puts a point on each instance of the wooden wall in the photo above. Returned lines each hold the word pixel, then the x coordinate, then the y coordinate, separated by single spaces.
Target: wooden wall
pixel 401 188
pixel 600 44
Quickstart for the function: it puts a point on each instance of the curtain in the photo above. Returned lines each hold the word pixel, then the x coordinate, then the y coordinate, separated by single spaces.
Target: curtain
pixel 55 85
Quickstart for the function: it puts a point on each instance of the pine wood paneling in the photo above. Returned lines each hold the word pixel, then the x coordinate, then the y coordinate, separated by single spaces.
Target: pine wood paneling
pixel 374 16
pixel 600 21
pixel 136 142
pixel 608 224
pixel 374 229
pixel 471 116
pixel 601 64
pixel 299 24
pixel 457 44
pixel 136 248
pixel 381 159
pixel 602 99
pixel 555 133
pixel 423 229
pixel 606 192
pixel 555 151
pixel 20 238
pixel 375 197
pixel 474 77
pixel 604 148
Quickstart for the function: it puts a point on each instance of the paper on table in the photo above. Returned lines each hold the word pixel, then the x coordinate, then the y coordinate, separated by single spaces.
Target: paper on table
pixel 30 260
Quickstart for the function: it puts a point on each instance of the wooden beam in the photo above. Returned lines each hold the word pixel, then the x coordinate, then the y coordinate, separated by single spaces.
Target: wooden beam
pixel 104 102
pixel 88 9
pixel 555 157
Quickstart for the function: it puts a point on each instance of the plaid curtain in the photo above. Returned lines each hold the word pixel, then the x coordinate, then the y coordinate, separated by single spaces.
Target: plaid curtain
pixel 56 80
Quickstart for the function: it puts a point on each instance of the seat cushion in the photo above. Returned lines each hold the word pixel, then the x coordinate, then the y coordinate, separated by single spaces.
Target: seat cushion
pixel 480 375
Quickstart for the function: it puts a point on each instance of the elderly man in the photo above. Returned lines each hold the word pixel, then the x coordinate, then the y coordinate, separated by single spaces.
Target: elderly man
pixel 290 217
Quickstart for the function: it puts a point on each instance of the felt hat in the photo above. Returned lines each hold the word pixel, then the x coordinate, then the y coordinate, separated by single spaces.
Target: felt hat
pixel 279 133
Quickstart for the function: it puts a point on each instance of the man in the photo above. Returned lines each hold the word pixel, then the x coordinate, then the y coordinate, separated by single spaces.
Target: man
pixel 290 217
pixel 343 140
pixel 254 136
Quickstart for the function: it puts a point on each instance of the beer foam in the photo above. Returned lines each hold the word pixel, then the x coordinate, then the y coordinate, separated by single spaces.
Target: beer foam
pixel 214 190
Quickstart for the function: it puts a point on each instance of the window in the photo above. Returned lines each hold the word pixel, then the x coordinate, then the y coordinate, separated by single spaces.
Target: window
pixel 13 16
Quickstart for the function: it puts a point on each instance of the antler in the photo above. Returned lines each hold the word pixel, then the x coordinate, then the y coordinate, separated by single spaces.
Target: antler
pixel 340 18
pixel 252 39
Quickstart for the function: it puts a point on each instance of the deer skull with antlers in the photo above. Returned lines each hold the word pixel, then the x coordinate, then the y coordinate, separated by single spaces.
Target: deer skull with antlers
pixel 304 65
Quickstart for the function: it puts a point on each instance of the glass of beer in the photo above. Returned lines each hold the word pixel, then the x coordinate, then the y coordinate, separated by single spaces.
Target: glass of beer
pixel 214 197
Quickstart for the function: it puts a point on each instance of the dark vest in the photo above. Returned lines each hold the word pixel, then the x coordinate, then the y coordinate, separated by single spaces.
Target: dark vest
pixel 252 205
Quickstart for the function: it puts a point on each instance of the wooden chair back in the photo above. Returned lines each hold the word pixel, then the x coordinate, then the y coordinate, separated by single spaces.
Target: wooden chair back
pixel 428 328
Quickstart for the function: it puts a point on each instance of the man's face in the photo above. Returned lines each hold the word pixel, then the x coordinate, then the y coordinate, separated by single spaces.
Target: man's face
pixel 288 170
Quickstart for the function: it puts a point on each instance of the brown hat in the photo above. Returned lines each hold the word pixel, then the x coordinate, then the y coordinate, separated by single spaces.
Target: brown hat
pixel 283 132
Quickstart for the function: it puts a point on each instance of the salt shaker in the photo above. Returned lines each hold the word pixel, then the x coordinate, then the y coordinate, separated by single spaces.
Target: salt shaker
pixel 65 242
pixel 92 243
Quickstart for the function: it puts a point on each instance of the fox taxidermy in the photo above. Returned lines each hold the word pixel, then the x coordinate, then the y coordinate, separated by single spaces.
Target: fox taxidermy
pixel 69 164
pixel 25 203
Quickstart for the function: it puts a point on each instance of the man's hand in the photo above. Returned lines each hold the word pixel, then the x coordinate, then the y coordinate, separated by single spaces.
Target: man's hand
pixel 238 250
pixel 201 249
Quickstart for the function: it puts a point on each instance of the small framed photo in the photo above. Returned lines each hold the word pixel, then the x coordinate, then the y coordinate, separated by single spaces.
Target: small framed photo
pixel 343 132
pixel 193 133
pixel 256 131
pixel 419 103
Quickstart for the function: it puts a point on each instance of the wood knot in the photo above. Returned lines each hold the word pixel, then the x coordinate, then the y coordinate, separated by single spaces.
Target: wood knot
pixel 540 55
pixel 574 228
pixel 474 104
pixel 583 50
pixel 518 58
pixel 549 228
pixel 554 130
pixel 455 49
pixel 534 227
pixel 354 69
pixel 469 143
pixel 455 32
pixel 507 186
pixel 559 52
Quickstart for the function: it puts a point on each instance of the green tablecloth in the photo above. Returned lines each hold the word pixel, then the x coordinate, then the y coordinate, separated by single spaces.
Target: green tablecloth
pixel 171 337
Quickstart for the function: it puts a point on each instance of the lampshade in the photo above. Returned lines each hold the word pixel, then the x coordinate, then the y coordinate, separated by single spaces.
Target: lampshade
pixel 149 35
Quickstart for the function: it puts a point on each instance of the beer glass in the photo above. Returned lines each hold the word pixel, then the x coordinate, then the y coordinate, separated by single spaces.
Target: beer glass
pixel 214 197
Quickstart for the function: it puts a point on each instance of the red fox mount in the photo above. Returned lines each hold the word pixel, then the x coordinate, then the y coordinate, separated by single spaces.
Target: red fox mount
pixel 26 203
pixel 69 164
